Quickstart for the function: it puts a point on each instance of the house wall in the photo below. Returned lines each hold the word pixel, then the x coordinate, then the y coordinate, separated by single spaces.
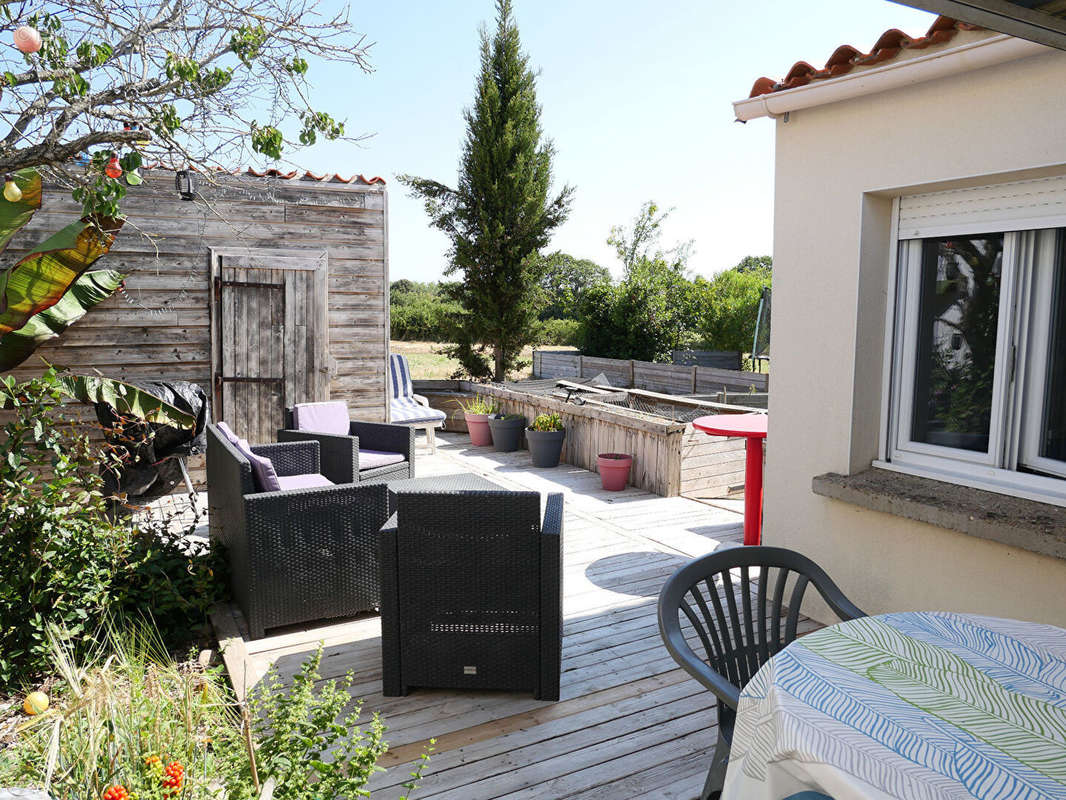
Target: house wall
pixel 838 167
pixel 164 250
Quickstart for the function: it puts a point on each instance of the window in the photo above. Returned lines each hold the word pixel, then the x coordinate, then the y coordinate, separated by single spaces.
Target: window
pixel 978 375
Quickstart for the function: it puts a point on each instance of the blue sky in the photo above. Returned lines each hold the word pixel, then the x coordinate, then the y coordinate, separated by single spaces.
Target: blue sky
pixel 636 96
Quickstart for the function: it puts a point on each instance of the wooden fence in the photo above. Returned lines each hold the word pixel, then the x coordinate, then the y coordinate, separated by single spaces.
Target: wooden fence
pixel 655 377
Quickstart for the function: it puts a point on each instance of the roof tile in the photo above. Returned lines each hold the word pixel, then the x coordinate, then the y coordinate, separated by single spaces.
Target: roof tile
pixel 845 58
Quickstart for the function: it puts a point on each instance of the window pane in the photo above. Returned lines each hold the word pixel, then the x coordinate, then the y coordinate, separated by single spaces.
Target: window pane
pixel 1053 429
pixel 957 321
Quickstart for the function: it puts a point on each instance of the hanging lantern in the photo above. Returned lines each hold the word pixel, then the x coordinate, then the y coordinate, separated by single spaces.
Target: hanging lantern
pixel 133 177
pixel 185 183
pixel 12 192
pixel 113 170
pixel 27 39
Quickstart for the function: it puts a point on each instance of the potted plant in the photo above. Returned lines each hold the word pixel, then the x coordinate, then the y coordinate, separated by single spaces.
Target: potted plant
pixel 506 431
pixel 614 470
pixel 545 440
pixel 477 412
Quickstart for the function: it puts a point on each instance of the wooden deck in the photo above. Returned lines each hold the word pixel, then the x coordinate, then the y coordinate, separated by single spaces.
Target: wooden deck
pixel 629 724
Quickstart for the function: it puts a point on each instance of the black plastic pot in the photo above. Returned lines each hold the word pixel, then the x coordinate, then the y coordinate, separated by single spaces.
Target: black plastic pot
pixel 507 433
pixel 545 447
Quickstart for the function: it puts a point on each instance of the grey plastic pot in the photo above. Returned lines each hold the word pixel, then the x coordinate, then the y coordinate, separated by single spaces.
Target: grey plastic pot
pixel 545 447
pixel 507 433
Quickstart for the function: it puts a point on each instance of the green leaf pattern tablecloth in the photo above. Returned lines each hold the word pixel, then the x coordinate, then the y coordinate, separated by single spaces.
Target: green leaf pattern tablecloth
pixel 922 706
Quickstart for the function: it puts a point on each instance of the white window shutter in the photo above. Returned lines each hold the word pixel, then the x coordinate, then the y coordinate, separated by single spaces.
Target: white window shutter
pixel 1015 206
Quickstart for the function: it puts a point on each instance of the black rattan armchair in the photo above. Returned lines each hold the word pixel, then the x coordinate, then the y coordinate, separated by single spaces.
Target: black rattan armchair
pixel 472 592
pixel 703 606
pixel 294 555
pixel 340 453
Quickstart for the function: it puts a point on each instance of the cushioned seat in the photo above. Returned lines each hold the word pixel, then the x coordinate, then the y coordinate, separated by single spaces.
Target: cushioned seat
pixel 407 410
pixel 372 459
pixel 303 481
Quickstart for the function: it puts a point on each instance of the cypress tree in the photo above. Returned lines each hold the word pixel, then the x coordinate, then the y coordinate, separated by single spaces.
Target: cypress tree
pixel 500 214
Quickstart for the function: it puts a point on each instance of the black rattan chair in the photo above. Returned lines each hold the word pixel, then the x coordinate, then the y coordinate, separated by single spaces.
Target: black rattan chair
pixel 738 624
pixel 295 555
pixel 340 453
pixel 472 592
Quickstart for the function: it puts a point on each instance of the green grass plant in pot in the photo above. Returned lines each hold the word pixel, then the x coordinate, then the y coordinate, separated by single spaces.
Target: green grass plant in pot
pixel 545 439
pixel 477 412
pixel 507 432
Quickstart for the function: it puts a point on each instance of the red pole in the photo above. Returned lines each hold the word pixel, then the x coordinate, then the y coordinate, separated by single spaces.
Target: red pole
pixel 753 491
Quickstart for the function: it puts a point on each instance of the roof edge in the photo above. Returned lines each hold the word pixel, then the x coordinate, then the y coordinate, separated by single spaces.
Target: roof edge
pixel 988 52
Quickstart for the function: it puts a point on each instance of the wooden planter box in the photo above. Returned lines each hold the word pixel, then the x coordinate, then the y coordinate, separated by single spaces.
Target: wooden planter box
pixel 669 458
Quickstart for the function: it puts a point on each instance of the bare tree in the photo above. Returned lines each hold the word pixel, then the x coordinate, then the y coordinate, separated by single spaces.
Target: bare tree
pixel 200 83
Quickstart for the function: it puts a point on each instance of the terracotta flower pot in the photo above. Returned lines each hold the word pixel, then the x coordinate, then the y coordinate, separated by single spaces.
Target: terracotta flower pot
pixel 478 425
pixel 614 470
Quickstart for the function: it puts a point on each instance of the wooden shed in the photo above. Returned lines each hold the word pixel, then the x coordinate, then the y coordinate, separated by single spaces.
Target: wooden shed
pixel 270 288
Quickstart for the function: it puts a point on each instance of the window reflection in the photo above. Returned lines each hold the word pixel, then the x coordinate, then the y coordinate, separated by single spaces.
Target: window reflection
pixel 1053 430
pixel 956 355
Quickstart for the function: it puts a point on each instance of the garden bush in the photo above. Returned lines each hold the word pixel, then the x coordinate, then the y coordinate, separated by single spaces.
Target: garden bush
pixel 68 561
pixel 560 332
pixel 128 722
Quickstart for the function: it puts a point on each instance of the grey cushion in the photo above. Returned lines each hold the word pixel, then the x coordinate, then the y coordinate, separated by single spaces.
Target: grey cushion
pixel 266 479
pixel 329 417
pixel 372 459
pixel 224 429
pixel 304 481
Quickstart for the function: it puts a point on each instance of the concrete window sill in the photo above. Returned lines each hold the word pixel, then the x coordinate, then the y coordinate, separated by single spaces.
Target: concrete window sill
pixel 1012 521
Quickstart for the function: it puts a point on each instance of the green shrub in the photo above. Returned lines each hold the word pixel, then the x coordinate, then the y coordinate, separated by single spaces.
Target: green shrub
pixel 419 312
pixel 547 422
pixel 128 714
pixel 66 560
pixel 560 332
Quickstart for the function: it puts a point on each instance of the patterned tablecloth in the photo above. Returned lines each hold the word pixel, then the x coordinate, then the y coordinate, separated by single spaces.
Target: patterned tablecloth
pixel 922 706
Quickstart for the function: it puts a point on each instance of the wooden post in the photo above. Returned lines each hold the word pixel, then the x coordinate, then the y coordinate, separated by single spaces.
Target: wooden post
pixel 580 365
pixel 632 374
pixel 536 363
pixel 694 368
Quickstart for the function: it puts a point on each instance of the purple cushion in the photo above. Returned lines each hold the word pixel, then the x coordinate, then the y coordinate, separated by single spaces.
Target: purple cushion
pixel 266 479
pixel 304 481
pixel 331 417
pixel 372 459
pixel 223 428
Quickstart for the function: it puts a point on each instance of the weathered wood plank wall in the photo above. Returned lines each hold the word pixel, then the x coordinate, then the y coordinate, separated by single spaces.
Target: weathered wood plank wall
pixel 161 328
pixel 654 376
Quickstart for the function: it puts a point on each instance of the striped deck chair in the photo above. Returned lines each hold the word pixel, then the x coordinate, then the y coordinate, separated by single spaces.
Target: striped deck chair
pixel 408 408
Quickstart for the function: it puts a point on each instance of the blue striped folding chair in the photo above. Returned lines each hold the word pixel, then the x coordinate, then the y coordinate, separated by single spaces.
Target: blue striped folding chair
pixel 408 408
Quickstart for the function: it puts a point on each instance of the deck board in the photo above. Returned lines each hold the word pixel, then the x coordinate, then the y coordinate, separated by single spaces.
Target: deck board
pixel 629 723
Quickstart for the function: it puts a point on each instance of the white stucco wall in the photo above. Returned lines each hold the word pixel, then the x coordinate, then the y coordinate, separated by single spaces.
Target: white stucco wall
pixel 837 167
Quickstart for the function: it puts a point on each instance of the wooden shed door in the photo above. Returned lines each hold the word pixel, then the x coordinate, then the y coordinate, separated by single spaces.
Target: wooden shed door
pixel 270 335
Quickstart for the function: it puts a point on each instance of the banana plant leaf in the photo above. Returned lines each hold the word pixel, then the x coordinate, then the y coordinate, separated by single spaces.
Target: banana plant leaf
pixel 125 399
pixel 88 290
pixel 41 278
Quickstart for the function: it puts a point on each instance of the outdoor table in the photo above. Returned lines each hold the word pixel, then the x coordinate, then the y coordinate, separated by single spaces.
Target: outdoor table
pixel 918 705
pixel 753 428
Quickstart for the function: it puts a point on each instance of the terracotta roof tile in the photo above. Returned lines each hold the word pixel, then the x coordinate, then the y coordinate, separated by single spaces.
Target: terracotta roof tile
pixel 272 172
pixel 845 58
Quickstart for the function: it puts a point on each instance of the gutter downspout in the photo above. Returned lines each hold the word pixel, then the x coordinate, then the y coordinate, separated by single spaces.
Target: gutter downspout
pixel 965 58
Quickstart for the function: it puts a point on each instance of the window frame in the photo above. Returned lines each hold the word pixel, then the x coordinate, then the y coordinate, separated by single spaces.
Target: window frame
pixel 1030 260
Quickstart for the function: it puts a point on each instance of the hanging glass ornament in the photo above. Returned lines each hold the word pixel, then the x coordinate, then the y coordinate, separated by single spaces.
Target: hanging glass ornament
pixel 12 192
pixel 27 39
pixel 113 170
